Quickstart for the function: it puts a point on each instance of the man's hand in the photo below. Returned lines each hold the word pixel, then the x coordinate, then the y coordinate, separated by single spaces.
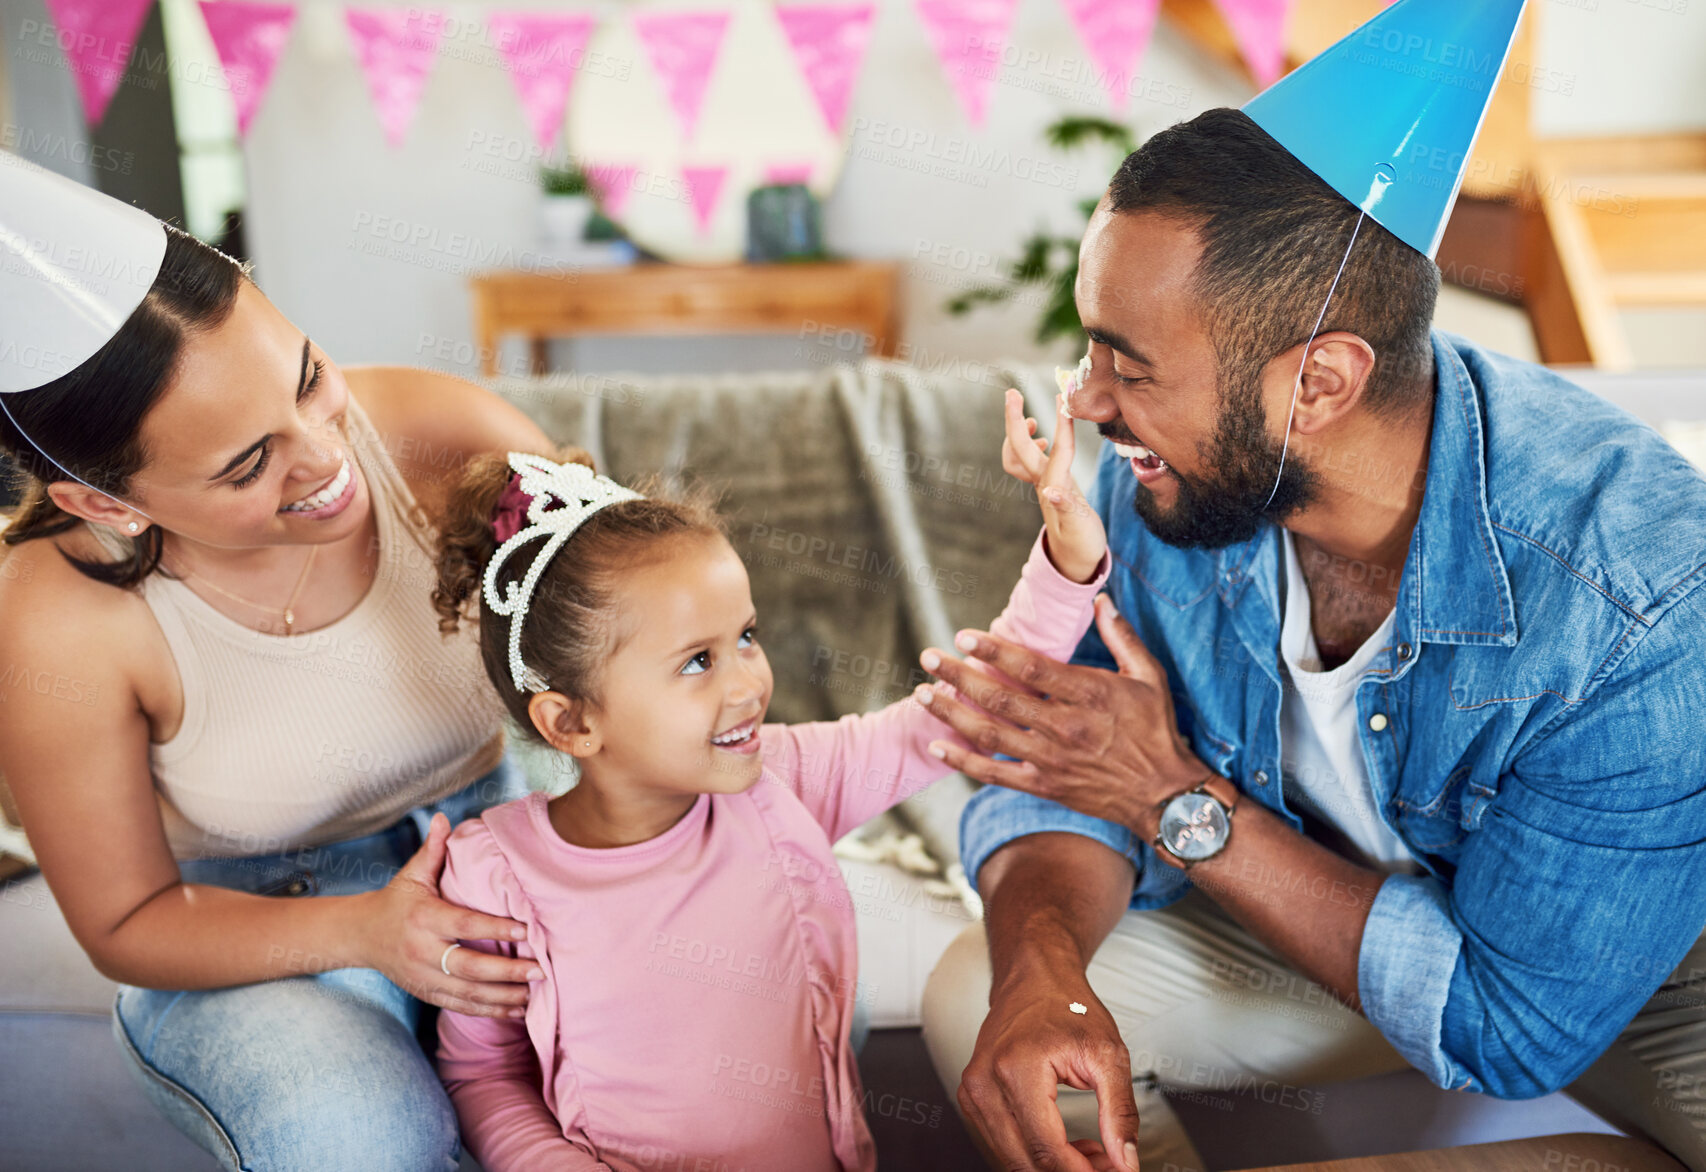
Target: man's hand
pixel 1032 1041
pixel 1100 743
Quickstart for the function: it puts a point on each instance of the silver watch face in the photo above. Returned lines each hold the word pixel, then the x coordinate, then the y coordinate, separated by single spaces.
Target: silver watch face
pixel 1194 826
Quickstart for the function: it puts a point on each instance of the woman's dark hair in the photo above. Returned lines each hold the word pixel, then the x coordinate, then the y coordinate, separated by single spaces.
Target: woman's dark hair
pixel 90 420
pixel 569 630
pixel 1273 233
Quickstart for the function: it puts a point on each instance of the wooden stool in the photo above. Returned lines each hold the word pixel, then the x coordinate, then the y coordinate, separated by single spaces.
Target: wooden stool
pixel 1549 1153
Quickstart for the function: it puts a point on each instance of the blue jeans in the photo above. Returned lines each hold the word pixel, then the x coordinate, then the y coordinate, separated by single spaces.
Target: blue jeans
pixel 315 1073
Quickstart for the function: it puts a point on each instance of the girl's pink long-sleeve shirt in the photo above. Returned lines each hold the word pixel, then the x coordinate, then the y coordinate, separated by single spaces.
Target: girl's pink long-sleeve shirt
pixel 698 987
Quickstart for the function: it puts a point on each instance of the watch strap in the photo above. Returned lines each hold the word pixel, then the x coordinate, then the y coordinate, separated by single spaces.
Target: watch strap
pixel 1228 795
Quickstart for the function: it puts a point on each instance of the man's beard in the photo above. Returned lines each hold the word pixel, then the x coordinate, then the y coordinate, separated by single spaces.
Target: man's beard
pixel 1230 510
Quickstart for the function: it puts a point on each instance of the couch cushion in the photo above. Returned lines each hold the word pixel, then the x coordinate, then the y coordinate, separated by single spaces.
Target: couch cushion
pixel 42 967
pixel 68 1102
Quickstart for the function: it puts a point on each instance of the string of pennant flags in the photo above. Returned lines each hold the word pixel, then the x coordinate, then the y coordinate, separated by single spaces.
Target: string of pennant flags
pixel 541 51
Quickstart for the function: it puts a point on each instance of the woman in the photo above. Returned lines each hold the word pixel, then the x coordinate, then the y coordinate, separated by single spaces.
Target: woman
pixel 225 544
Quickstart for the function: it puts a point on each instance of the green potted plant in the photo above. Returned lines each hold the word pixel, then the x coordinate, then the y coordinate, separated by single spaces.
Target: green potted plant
pixel 567 204
pixel 1048 263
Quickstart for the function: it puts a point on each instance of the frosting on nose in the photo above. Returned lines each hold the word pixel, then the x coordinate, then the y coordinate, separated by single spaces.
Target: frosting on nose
pixel 1072 381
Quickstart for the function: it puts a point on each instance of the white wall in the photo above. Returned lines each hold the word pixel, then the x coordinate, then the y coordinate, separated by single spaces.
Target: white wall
pixel 1626 66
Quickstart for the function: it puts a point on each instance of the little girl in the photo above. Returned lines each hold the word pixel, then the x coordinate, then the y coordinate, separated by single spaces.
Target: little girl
pixel 693 936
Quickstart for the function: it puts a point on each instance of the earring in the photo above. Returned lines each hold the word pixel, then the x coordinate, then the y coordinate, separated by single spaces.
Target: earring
pixel 133 526
pixel 589 744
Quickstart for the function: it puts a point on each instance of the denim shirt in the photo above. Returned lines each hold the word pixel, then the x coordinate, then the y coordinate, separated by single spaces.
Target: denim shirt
pixel 1533 731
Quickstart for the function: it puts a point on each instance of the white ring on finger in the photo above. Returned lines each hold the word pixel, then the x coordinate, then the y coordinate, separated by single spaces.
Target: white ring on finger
pixel 444 961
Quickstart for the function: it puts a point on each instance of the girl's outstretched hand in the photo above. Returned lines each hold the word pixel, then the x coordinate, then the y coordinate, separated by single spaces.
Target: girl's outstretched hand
pixel 1076 539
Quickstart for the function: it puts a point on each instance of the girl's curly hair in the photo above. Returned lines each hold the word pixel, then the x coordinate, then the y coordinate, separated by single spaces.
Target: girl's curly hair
pixel 569 631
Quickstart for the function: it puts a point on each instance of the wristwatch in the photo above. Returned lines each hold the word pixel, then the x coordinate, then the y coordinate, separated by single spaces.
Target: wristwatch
pixel 1196 824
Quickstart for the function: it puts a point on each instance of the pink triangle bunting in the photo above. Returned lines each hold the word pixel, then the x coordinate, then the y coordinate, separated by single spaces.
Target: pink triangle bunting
pixel 705 189
pixel 968 36
pixel 829 42
pixel 1259 28
pixel 97 36
pixel 683 47
pixel 543 51
pixel 783 173
pixel 612 183
pixel 249 39
pixel 1115 32
pixel 395 47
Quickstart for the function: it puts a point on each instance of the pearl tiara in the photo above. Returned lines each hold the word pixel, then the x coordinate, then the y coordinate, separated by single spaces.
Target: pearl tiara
pixel 564 496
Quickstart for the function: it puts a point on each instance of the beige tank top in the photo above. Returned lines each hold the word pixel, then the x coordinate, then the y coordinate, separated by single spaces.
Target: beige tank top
pixel 302 740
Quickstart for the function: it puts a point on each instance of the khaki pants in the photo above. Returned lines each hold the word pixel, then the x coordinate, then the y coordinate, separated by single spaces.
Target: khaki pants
pixel 1205 1008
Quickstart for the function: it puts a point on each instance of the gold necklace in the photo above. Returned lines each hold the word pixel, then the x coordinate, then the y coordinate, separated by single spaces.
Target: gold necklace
pixel 289 607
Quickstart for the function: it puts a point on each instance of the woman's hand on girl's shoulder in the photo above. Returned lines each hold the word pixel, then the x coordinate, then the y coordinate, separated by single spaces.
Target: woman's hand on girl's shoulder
pixel 412 934
pixel 1076 538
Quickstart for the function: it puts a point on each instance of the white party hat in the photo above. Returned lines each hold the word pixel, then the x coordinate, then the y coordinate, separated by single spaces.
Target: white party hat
pixel 74 265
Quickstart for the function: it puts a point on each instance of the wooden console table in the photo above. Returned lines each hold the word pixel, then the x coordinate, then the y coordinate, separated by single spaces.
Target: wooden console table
pixel 686 299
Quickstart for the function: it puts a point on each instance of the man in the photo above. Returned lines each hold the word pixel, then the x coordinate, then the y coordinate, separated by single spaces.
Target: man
pixel 1404 642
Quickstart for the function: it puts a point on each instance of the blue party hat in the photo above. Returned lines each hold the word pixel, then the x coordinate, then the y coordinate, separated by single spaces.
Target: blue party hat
pixel 1389 114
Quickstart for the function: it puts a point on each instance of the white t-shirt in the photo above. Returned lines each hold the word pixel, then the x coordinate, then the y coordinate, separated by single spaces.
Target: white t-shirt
pixel 1320 751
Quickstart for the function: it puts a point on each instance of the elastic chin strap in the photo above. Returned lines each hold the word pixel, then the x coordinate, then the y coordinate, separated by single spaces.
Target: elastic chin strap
pixel 1297 385
pixel 4 406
